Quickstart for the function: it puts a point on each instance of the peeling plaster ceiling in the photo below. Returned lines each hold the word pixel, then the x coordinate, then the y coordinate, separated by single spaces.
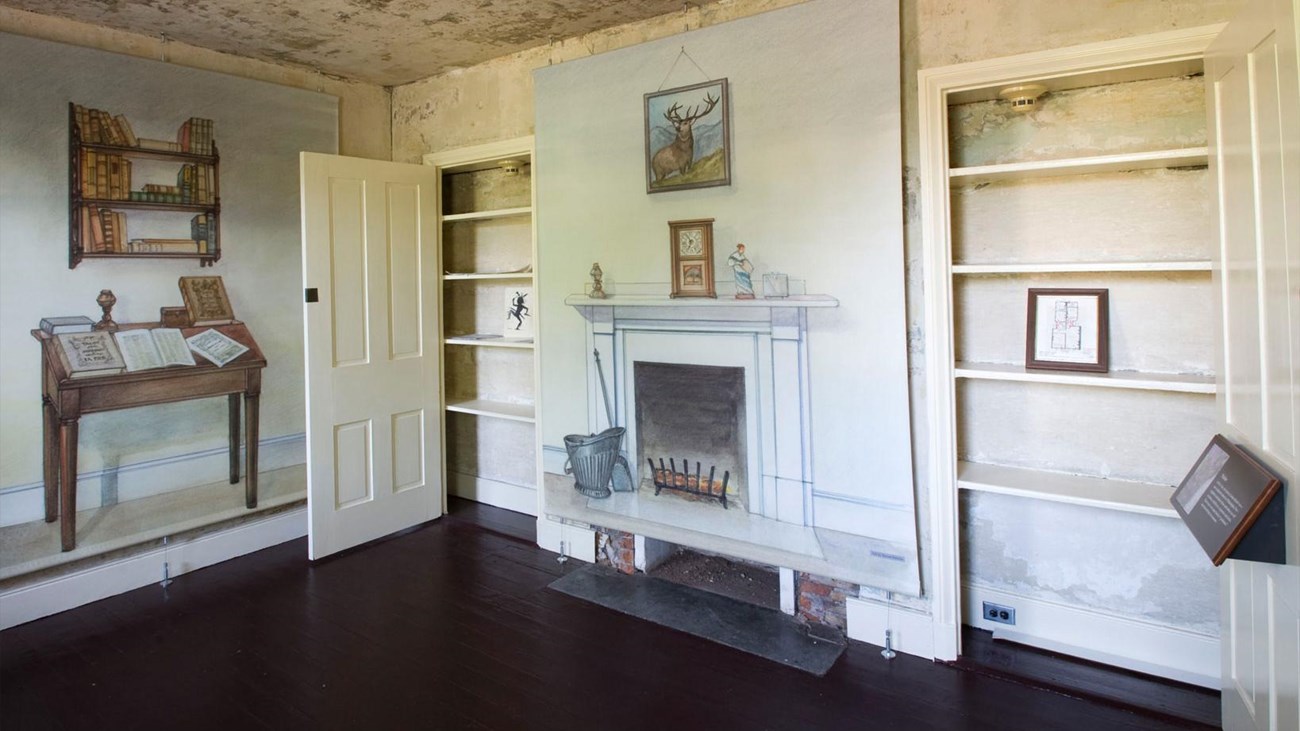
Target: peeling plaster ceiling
pixel 389 42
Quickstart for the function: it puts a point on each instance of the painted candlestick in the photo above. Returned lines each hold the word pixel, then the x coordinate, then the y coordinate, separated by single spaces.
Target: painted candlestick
pixel 106 300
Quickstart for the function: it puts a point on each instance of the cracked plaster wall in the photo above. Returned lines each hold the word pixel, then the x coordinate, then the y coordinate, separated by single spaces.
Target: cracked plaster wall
pixel 365 128
pixel 494 101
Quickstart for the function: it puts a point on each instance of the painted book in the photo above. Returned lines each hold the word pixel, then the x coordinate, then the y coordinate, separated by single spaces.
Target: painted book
pixel 67 324
pixel 146 349
pixel 89 354
pixel 206 300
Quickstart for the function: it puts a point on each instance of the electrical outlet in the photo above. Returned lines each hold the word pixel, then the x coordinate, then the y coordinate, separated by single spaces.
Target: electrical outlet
pixel 999 613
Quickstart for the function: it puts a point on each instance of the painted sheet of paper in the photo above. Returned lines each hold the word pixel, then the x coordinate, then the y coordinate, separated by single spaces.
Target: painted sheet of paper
pixel 216 347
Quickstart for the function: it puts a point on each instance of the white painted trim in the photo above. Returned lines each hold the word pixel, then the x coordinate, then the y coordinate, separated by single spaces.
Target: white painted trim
pixel 788 598
pixel 910 631
pixel 519 498
pixel 26 503
pixel 934 87
pixel 33 601
pixel 1145 647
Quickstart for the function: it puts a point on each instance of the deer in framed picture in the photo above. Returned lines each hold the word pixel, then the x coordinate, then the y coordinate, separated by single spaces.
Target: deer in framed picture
pixel 688 137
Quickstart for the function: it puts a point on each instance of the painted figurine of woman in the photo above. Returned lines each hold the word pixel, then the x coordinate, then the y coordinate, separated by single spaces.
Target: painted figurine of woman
pixel 743 267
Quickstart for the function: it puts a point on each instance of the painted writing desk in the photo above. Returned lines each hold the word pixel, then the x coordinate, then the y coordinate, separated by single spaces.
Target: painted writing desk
pixel 65 399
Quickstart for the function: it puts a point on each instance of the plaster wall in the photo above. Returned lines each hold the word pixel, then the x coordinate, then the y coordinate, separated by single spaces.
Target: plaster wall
pixel 365 125
pixel 494 101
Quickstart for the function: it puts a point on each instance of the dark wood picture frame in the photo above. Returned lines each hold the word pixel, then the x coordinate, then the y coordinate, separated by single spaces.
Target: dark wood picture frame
pixel 1093 334
pixel 679 123
pixel 690 243
pixel 1222 497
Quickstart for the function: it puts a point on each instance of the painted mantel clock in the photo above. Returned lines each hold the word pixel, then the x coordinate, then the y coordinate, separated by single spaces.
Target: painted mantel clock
pixel 692 247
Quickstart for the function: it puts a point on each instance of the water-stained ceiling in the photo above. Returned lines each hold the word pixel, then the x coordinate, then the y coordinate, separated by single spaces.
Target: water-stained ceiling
pixel 387 42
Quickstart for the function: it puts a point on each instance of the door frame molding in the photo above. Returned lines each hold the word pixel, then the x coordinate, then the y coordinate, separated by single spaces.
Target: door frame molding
pixel 487 154
pixel 1110 61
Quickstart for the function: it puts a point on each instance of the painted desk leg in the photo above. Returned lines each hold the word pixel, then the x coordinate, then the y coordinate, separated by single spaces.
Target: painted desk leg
pixel 68 483
pixel 250 449
pixel 234 438
pixel 51 447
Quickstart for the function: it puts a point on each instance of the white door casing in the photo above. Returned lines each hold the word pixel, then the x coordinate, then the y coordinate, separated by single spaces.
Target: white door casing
pixel 1253 83
pixel 373 406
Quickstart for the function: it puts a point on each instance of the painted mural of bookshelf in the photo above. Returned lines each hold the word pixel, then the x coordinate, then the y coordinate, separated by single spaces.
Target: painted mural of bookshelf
pixel 115 176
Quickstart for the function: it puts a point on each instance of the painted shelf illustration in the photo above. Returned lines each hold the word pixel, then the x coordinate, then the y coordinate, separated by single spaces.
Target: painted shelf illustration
pixel 105 189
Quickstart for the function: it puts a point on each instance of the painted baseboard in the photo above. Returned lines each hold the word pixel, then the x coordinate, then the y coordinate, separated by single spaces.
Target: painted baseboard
pixel 910 631
pixel 519 498
pixel 553 459
pixel 26 503
pixel 33 601
pixel 1168 652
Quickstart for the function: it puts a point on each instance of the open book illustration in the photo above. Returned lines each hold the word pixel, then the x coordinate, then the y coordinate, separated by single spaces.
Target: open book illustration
pixel 216 347
pixel 153 348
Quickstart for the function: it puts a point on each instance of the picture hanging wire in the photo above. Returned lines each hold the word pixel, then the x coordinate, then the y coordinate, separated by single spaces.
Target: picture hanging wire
pixel 674 66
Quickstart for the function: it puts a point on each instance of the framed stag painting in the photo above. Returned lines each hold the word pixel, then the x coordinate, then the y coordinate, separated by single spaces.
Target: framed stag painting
pixel 688 137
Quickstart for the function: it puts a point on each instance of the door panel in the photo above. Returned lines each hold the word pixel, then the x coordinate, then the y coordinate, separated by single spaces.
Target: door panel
pixel 1253 74
pixel 373 426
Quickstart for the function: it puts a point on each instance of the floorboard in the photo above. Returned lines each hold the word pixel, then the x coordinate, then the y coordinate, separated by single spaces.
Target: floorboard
pixel 451 626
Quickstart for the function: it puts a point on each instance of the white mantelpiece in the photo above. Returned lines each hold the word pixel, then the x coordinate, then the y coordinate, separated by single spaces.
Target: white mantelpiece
pixel 765 337
pixel 768 339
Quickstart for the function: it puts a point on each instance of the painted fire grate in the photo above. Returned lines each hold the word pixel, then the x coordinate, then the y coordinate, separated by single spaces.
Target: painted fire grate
pixel 668 478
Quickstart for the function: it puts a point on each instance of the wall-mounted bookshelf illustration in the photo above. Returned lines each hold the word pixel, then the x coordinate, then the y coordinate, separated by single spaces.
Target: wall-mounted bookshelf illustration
pixel 105 189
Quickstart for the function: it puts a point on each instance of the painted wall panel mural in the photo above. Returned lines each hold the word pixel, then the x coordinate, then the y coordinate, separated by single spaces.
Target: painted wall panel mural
pixel 163 124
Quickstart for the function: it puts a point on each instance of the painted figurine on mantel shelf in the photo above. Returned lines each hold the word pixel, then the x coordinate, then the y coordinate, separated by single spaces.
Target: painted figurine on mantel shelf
pixel 743 267
pixel 597 283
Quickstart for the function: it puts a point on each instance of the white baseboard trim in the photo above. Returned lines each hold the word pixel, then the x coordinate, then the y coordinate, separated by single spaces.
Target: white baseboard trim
pixel 519 498
pixel 1144 647
pixel 26 503
pixel 572 540
pixel 26 603
pixel 910 631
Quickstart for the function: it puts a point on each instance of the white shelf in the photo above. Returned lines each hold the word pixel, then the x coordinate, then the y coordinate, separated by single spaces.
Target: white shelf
pixel 1133 380
pixel 491 343
pixel 495 409
pixel 463 276
pixel 1201 265
pixel 1133 497
pixel 484 215
pixel 1185 157
pixel 802 300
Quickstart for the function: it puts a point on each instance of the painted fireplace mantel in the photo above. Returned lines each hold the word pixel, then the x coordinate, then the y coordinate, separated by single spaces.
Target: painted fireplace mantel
pixel 768 339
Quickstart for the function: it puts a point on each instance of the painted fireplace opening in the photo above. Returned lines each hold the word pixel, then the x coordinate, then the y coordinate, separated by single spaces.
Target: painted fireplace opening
pixel 691 418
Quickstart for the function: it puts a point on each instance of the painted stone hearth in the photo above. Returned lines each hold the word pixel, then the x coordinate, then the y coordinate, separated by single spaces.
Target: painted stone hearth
pixel 725 383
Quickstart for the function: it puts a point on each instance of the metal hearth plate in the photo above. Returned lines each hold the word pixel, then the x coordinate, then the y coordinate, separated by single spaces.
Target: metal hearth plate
pixel 766 633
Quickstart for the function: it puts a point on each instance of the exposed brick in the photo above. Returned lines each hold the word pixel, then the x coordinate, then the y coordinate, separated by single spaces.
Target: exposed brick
pixel 616 549
pixel 822 600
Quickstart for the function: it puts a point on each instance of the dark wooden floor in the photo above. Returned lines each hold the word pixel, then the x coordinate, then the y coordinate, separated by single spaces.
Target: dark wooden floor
pixel 451 626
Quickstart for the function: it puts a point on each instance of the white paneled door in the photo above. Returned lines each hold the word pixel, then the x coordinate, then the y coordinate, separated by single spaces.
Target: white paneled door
pixel 373 413
pixel 1253 77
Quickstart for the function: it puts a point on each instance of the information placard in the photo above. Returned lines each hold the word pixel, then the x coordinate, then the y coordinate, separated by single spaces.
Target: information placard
pixel 1223 496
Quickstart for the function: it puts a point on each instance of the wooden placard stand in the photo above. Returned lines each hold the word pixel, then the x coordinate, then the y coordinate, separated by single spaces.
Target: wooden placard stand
pixel 1233 505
